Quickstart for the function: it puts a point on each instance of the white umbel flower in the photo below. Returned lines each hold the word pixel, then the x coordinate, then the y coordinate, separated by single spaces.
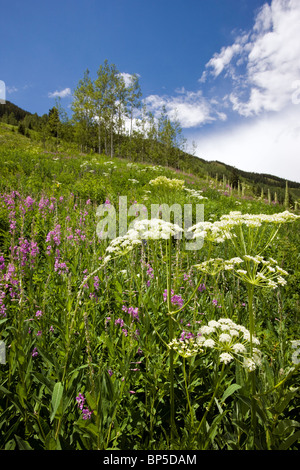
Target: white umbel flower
pixel 209 343
pixel 249 364
pixel 226 357
pixel 153 229
pixel 239 348
pixel 224 338
pixel 234 344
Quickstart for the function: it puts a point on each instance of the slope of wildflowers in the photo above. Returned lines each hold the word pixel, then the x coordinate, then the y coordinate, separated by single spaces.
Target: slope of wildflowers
pixel 137 342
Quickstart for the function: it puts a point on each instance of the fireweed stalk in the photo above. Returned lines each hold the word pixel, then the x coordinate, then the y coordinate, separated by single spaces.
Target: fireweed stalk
pixel 171 335
pixel 70 327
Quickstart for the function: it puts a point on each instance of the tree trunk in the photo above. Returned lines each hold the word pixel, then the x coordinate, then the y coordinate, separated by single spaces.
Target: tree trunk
pixel 99 136
pixel 111 138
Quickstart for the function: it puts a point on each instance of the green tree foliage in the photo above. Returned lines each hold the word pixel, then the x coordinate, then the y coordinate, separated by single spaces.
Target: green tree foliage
pixel 9 109
pixel 84 111
pixel 21 128
pixel 53 122
pixel 108 115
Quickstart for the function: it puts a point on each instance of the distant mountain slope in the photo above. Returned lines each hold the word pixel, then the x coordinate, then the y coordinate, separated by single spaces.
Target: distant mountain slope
pixel 9 108
pixel 263 178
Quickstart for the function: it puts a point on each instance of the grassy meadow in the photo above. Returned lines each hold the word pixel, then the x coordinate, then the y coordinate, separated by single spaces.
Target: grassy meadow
pixel 139 343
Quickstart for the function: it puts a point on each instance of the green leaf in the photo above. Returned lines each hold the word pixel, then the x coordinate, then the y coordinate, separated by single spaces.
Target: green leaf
pixel 23 445
pixel 10 445
pixel 43 380
pixel 108 385
pixel 21 394
pixel 50 442
pixel 118 287
pixel 56 398
pixel 213 429
pixel 290 440
pixel 229 391
pixel 285 426
pixel 47 357
pixel 91 402
pixel 10 396
pixel 282 404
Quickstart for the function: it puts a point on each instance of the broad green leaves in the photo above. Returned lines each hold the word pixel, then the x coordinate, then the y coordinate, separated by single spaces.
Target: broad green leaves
pixel 56 399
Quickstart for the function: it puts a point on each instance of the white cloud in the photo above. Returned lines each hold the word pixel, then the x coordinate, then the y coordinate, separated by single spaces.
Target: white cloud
pixel 190 108
pixel 219 61
pixel 263 19
pixel 60 94
pixel 128 78
pixel 260 72
pixel 262 68
pixel 271 54
pixel 11 89
pixel 268 144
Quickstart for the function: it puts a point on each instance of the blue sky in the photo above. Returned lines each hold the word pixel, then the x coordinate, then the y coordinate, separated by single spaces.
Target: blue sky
pixel 228 69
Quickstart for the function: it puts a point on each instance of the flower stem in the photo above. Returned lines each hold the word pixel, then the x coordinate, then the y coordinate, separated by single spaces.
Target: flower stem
pixel 212 399
pixel 252 373
pixel 187 395
pixel 171 336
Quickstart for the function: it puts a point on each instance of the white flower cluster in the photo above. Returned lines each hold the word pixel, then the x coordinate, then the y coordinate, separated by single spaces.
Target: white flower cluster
pixel 185 348
pixel 221 230
pixel 153 229
pixel 262 272
pixel 195 193
pixel 216 232
pixel 214 265
pixel 257 270
pixel 167 183
pixel 230 340
pixel 255 220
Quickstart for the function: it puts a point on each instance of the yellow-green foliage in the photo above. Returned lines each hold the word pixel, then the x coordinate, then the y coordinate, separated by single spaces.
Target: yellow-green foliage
pixel 163 181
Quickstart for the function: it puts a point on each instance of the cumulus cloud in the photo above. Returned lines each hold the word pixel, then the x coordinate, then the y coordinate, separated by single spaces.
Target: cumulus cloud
pixel 60 94
pixel 219 61
pixel 261 69
pixel 189 108
pixel 128 78
pixel 270 53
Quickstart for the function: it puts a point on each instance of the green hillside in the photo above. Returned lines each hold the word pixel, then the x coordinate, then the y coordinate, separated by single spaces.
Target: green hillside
pixel 179 334
pixel 18 128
